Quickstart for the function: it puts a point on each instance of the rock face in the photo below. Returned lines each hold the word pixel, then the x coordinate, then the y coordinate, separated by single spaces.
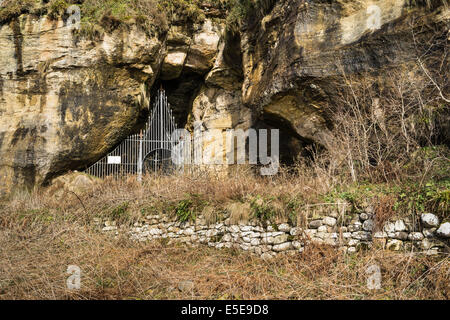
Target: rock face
pixel 65 100
pixel 292 55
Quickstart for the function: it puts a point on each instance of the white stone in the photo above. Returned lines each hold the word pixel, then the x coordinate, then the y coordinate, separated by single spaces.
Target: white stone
pixel 317 240
pixel 284 227
pixel 415 236
pixel 389 227
pixel 226 237
pixel 400 225
pixel 432 251
pixel 333 235
pixel 427 244
pixel 246 228
pixel 330 241
pixel 280 239
pixel 109 228
pixel 429 220
pixel 322 229
pixel 267 240
pixel 211 233
pixel 282 246
pixel 329 221
pixel 346 235
pixel 321 235
pixel 266 256
pixel 368 225
pixel 362 235
pixel 363 216
pixel 255 242
pixel 380 235
pixel 394 245
pixel 296 244
pixel 444 230
pixel 295 231
pixel 351 250
pixel 356 226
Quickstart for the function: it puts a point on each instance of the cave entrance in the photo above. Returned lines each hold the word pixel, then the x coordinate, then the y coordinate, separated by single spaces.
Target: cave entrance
pixel 149 151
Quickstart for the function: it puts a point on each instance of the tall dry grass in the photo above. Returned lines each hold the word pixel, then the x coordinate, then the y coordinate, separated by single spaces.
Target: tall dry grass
pixel 41 235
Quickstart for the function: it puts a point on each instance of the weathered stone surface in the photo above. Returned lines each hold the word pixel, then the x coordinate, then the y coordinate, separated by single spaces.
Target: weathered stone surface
pixel 444 230
pixel 429 220
pixel 293 50
pixel 173 65
pixel 282 247
pixel 394 245
pixel 362 235
pixel 368 225
pixel 329 221
pixel 280 239
pixel 356 226
pixel 75 182
pixel 315 224
pixel 400 235
pixel 415 236
pixel 363 216
pixel 65 102
pixel 400 225
pixel 284 227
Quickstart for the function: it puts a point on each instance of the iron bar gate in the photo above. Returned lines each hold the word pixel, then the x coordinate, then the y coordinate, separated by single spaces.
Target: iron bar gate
pixel 149 151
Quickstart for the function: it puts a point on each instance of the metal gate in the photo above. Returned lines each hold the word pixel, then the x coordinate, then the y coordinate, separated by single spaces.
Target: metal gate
pixel 149 151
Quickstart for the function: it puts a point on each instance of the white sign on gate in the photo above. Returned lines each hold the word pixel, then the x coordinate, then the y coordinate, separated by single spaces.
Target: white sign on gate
pixel 114 160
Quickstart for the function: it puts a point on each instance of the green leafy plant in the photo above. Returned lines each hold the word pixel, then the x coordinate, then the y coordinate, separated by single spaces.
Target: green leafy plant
pixel 262 208
pixel 186 209
pixel 120 212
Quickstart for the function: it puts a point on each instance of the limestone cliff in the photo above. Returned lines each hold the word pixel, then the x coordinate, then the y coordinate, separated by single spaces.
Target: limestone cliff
pixel 66 100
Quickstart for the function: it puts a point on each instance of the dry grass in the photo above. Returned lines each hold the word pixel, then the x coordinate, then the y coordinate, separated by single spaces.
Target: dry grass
pixel 41 235
pixel 34 263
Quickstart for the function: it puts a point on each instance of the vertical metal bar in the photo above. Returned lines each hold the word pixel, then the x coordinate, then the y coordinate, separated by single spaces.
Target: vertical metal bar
pixel 140 158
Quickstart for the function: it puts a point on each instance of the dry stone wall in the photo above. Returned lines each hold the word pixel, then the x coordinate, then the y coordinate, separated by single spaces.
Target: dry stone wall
pixel 349 233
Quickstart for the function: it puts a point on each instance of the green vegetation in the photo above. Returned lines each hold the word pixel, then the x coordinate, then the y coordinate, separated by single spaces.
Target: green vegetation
pixel 153 16
pixel 263 208
pixel 408 198
pixel 120 212
pixel 187 209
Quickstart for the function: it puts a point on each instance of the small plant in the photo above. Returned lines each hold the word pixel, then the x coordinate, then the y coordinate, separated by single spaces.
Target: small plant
pixel 262 209
pixel 186 209
pixel 120 212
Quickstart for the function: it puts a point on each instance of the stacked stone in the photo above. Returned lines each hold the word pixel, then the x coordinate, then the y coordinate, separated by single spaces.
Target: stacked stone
pixel 267 241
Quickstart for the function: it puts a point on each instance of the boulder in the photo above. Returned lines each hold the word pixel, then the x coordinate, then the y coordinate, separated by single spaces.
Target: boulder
pixel 429 220
pixel 444 230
